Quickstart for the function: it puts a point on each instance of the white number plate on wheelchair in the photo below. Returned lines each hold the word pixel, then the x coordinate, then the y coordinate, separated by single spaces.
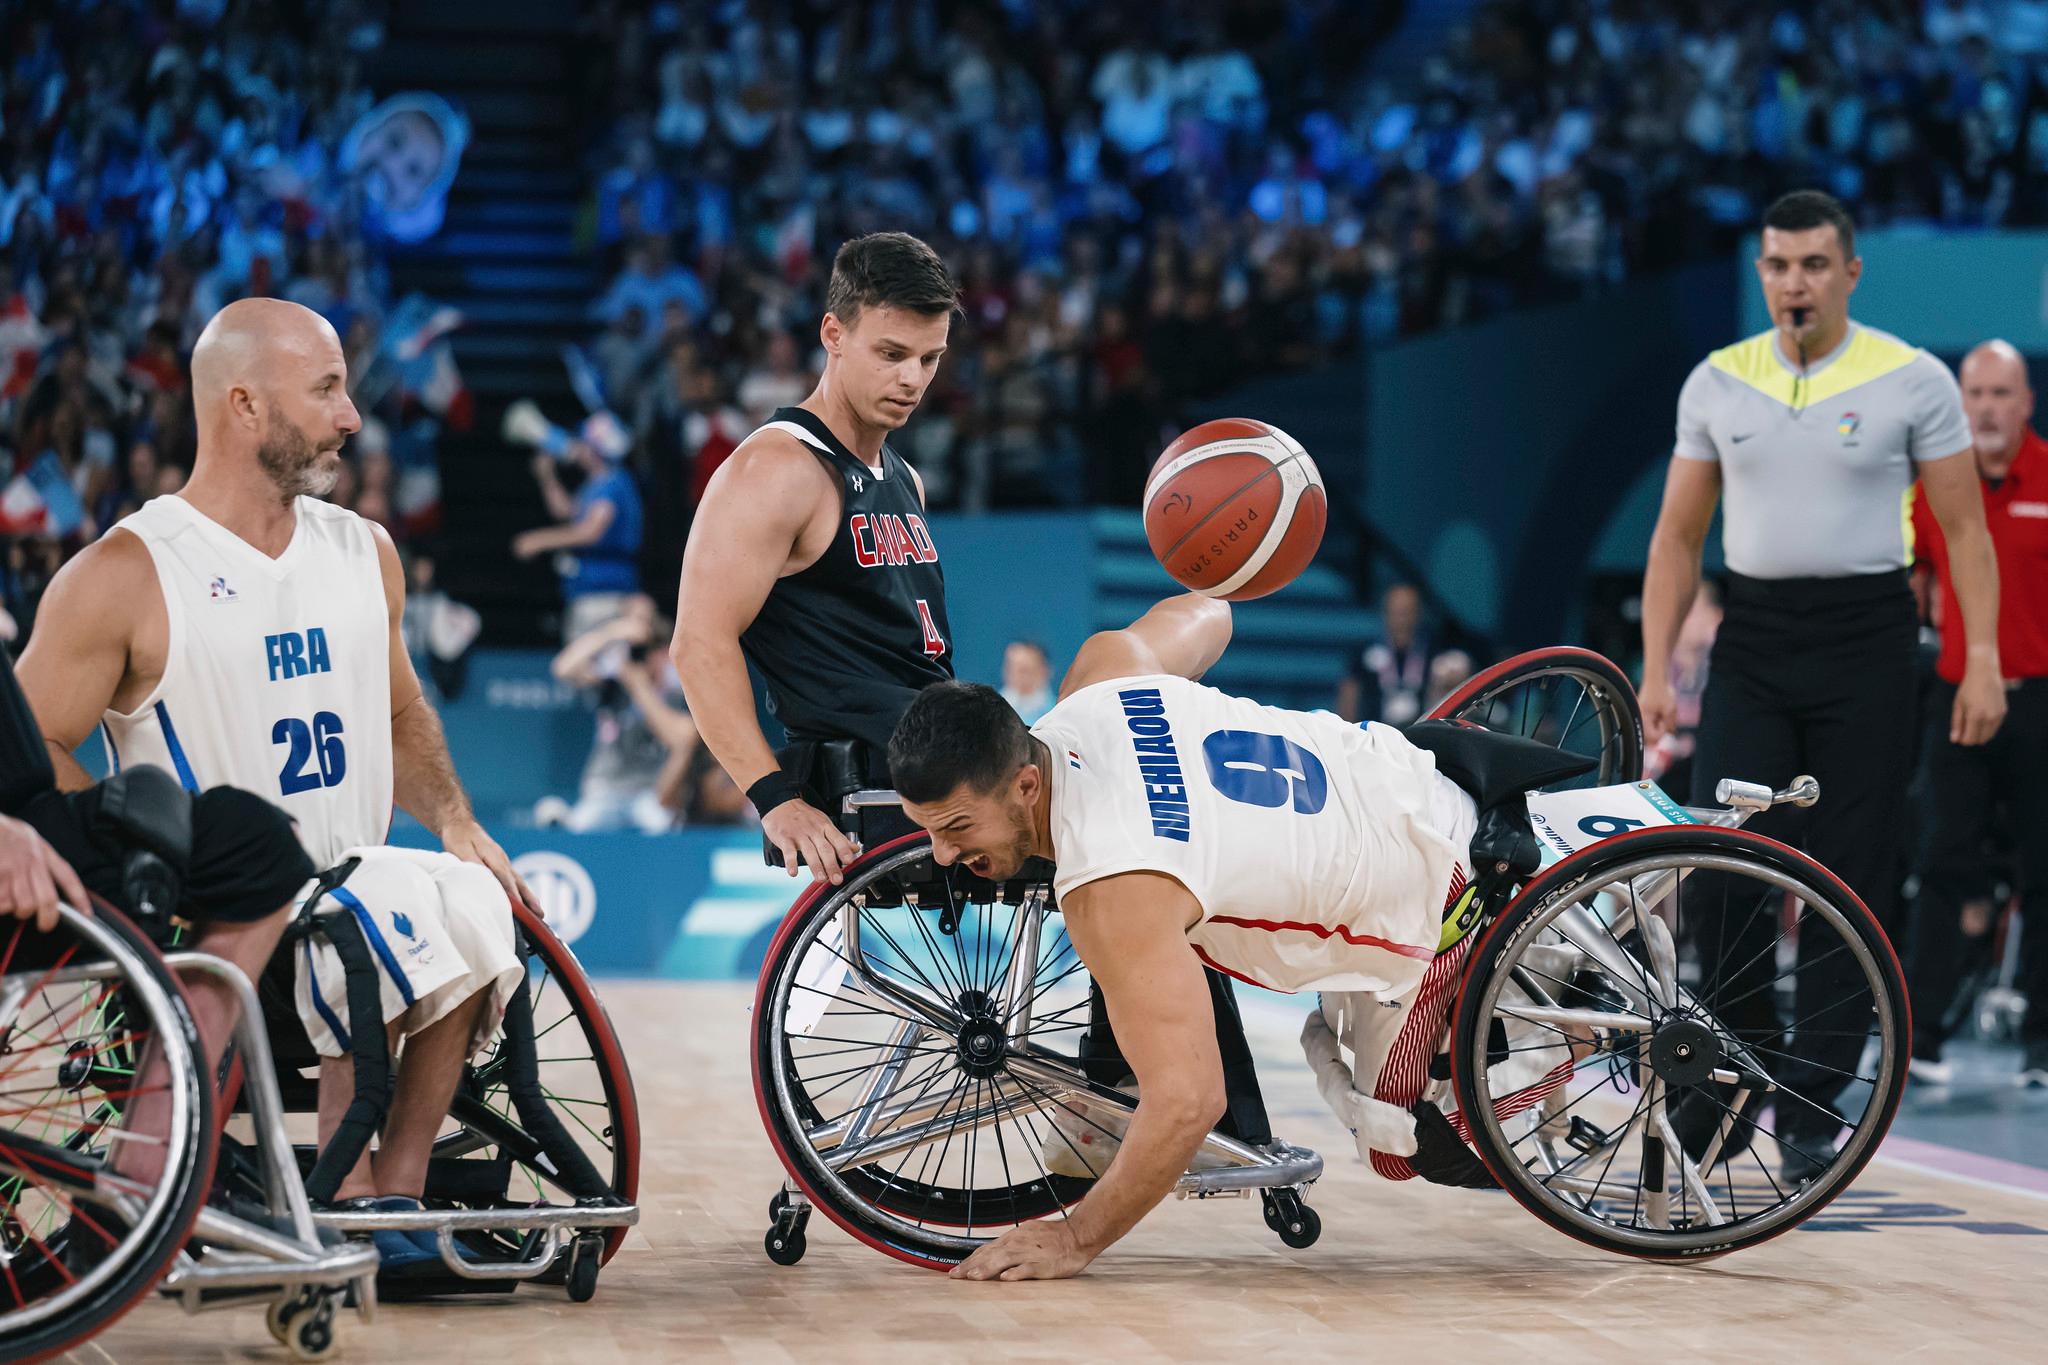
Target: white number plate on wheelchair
pixel 1568 821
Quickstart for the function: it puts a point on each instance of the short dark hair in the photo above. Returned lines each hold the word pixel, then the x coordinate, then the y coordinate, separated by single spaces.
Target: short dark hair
pixel 1034 646
pixel 1804 210
pixel 889 270
pixel 954 733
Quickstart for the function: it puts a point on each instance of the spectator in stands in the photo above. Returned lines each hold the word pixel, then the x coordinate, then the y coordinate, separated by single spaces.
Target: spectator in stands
pixel 596 538
pixel 650 282
pixel 643 739
pixel 1027 679
pixel 1968 785
pixel 1448 672
pixel 778 381
pixel 1389 675
pixel 152 171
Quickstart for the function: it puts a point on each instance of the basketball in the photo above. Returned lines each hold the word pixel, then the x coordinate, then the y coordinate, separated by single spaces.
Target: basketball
pixel 1234 509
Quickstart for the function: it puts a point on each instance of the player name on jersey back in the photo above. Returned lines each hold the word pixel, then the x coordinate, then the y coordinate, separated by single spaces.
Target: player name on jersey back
pixel 1320 852
pixel 1166 790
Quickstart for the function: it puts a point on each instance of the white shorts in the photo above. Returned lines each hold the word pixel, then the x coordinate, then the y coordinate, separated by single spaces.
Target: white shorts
pixel 439 930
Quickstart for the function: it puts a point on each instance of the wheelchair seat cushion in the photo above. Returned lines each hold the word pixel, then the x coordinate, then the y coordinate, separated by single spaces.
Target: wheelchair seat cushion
pixel 1492 767
pixel 245 861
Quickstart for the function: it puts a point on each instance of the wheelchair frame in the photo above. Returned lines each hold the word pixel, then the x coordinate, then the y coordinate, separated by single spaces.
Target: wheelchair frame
pixel 234 1260
pixel 904 1126
pixel 1229 1167
pixel 579 1228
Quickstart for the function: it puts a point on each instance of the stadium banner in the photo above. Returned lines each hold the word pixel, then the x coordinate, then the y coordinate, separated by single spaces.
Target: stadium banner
pixel 695 905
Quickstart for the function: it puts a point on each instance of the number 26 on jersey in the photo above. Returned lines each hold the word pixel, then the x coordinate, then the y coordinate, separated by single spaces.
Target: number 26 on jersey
pixel 314 757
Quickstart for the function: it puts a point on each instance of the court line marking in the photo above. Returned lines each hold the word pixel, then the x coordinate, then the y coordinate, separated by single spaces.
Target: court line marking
pixel 1936 1159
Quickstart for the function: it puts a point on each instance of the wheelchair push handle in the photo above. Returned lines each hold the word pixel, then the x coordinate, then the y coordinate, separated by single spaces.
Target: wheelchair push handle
pixel 1755 796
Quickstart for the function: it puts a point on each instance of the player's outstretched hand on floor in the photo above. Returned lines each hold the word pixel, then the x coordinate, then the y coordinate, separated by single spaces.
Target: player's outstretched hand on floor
pixel 1044 1250
pixel 800 830
pixel 467 840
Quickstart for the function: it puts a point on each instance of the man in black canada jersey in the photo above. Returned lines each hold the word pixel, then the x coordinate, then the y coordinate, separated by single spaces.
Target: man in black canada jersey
pixel 810 556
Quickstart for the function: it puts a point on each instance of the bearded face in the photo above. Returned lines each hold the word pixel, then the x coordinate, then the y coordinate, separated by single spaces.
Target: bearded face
pixel 294 463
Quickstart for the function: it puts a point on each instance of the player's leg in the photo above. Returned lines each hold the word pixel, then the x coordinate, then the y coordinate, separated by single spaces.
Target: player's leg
pixel 395 908
pixel 470 917
pixel 244 872
pixel 428 1071
pixel 1958 811
pixel 1858 738
pixel 1746 733
pixel 1402 1132
pixel 2020 745
pixel 337 1090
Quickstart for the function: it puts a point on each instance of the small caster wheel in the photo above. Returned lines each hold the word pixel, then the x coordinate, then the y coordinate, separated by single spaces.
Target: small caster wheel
pixel 584 1259
pixel 785 1247
pixel 279 1316
pixel 1297 1224
pixel 310 1335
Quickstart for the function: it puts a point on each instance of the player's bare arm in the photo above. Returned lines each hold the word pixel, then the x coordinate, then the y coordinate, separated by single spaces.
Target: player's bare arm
pixel 769 511
pixel 100 643
pixel 1182 635
pixel 1671 580
pixel 1131 932
pixel 1954 496
pixel 423 780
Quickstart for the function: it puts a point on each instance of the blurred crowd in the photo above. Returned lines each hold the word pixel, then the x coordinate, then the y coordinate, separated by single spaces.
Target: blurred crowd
pixel 157 162
pixel 1147 203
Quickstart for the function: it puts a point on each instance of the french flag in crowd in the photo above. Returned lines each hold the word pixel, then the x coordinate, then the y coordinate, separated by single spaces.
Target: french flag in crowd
pixel 40 501
pixel 416 339
pixel 21 347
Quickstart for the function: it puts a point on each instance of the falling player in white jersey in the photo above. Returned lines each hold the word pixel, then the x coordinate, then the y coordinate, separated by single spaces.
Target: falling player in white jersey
pixel 1187 827
pixel 245 633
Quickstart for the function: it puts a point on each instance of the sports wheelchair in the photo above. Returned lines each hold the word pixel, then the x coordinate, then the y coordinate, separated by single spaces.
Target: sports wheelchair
pixel 547 1111
pixel 921 1037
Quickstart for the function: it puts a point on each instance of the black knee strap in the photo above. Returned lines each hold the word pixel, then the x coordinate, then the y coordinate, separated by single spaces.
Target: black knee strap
pixel 522 1082
pixel 366 1044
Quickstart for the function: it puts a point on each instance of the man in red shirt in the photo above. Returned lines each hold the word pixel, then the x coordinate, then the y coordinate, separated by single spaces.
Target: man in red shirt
pixel 1966 784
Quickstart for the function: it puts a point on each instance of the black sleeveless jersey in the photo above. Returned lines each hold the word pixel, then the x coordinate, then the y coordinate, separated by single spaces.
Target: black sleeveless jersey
pixel 846 642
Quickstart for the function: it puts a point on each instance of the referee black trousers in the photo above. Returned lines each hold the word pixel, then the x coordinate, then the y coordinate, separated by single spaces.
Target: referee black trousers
pixel 1966 786
pixel 1808 676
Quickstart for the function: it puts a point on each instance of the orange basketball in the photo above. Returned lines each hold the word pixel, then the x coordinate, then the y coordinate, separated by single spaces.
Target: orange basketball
pixel 1235 509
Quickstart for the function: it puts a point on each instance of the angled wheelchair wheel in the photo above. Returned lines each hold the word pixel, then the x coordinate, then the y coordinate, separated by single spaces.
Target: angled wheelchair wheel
pixel 81 1009
pixel 548 1113
pixel 1680 1042
pixel 1571 698
pixel 917 1056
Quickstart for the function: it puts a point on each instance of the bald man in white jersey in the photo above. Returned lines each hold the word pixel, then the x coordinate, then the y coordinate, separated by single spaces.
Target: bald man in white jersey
pixel 244 632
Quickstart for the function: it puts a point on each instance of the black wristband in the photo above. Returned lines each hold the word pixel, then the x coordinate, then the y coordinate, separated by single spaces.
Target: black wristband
pixel 772 790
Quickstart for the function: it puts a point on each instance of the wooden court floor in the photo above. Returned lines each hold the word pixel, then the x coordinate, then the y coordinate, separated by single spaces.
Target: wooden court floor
pixel 1909 1266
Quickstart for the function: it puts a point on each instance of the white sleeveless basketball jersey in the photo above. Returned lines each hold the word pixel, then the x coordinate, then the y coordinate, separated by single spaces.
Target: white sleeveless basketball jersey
pixel 1321 852
pixel 278 676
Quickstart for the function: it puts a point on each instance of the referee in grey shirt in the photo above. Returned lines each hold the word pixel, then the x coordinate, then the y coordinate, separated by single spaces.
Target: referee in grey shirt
pixel 1813 433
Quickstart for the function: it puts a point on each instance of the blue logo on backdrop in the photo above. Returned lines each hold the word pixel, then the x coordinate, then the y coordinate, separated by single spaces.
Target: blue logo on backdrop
pixel 1166 791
